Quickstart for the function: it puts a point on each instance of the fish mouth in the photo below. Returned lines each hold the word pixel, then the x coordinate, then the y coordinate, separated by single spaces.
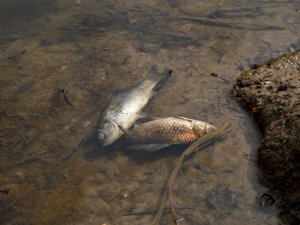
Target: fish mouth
pixel 108 136
pixel 104 142
pixel 108 142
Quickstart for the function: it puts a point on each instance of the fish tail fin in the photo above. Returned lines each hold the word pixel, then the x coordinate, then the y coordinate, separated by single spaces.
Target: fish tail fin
pixel 159 78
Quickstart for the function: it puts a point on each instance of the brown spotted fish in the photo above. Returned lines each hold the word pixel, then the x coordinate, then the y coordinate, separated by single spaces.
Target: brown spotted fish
pixel 160 133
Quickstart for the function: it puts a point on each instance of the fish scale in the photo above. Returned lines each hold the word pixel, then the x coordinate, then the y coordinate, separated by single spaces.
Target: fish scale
pixel 170 130
pixel 125 106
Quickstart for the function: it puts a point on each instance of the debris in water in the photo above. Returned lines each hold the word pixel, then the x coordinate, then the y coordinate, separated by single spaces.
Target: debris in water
pixel 125 107
pixel 5 189
pixel 267 199
pixel 160 133
pixel 199 143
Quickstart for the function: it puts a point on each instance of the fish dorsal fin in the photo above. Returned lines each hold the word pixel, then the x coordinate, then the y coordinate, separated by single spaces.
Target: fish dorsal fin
pixel 183 118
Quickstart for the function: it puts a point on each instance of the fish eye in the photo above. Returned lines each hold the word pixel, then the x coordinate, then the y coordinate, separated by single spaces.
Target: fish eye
pixel 101 135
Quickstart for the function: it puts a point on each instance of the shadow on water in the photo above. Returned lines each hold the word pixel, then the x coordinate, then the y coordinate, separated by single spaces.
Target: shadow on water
pixel 92 151
pixel 16 14
pixel 25 10
pixel 60 62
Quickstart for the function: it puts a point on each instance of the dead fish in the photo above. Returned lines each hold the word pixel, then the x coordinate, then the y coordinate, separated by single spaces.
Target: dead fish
pixel 160 133
pixel 125 107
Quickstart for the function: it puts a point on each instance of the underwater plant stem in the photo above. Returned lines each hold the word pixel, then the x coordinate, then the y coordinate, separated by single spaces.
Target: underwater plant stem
pixel 200 143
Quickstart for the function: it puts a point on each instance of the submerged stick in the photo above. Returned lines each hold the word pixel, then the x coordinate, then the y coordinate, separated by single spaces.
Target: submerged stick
pixel 199 143
pixel 18 199
pixel 243 26
pixel 153 211
pixel 30 158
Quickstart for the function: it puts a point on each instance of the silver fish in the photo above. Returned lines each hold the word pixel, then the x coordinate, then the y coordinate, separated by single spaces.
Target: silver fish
pixel 160 133
pixel 125 107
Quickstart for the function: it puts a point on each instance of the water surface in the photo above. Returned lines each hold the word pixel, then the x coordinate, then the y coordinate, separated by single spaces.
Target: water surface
pixel 60 62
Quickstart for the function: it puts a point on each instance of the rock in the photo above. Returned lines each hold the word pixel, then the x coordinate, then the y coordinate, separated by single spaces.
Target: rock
pixel 272 92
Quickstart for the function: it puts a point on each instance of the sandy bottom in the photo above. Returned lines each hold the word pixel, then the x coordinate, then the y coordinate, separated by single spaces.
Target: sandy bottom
pixel 60 62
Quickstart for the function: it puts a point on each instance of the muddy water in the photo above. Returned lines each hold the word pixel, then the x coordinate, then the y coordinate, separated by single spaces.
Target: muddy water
pixel 60 62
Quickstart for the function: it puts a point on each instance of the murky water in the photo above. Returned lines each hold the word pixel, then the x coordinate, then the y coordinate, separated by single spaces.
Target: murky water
pixel 60 62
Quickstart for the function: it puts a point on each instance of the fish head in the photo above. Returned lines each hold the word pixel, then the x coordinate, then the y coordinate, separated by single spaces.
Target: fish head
pixel 202 128
pixel 108 133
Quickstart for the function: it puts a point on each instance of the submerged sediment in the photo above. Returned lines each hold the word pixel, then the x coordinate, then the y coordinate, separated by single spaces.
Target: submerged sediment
pixel 272 92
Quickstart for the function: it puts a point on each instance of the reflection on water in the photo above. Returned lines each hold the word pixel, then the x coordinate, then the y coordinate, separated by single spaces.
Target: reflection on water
pixel 60 62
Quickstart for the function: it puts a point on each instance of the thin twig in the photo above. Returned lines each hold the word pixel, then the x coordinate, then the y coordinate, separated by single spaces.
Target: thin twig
pixel 175 217
pixel 18 199
pixel 71 153
pixel 17 55
pixel 217 76
pixel 200 143
pixel 209 22
pixel 167 209
pixel 136 29
pixel 30 158
pixel 85 6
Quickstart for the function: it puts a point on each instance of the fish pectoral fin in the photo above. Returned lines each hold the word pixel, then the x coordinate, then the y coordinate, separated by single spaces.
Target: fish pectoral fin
pixel 125 131
pixel 147 147
pixel 145 115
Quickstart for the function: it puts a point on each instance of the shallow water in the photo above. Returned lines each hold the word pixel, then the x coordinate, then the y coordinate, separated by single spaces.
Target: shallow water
pixel 60 62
